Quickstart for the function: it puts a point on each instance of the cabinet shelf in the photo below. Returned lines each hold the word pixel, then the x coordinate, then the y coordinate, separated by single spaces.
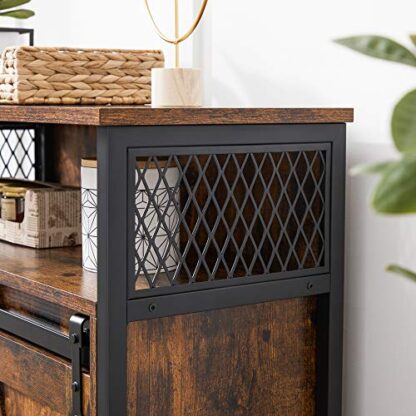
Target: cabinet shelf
pixel 54 275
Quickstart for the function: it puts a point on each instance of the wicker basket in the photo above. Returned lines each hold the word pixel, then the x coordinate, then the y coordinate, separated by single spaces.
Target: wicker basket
pixel 31 75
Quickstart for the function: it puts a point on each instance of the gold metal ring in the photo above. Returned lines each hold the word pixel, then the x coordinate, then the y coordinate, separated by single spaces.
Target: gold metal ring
pixel 179 39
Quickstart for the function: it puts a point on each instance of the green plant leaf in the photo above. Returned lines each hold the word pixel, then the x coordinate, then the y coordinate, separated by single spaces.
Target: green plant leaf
pixel 394 268
pixel 373 169
pixel 19 14
pixel 379 47
pixel 403 123
pixel 413 38
pixel 396 191
pixel 9 4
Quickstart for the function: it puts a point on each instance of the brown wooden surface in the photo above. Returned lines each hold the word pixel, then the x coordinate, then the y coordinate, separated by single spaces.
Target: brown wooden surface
pixel 146 116
pixel 53 315
pixel 14 403
pixel 65 146
pixel 42 379
pixel 257 360
pixel 54 275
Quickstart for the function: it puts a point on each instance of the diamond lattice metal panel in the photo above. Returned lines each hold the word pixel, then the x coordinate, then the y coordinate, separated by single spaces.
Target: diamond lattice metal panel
pixel 17 153
pixel 203 218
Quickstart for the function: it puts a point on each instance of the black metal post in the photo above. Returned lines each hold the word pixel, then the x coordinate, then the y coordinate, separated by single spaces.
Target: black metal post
pixel 112 272
pixel 330 306
pixel 79 340
pixel 336 295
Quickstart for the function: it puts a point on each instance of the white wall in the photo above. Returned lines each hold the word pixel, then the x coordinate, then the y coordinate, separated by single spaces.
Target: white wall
pixel 268 53
pixel 262 53
pixel 101 24
pixel 275 53
pixel 380 312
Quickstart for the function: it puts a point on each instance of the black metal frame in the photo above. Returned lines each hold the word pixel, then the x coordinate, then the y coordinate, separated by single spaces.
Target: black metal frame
pixel 79 339
pixel 226 297
pixel 116 149
pixel 20 31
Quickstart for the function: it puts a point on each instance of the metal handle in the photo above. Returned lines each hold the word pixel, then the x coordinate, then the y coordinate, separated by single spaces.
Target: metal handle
pixel 35 332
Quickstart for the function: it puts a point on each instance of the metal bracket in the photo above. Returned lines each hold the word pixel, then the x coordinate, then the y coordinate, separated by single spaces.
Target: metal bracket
pixel 37 333
pixel 79 329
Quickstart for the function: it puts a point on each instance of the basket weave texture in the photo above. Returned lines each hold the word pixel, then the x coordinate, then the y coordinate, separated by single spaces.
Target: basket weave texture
pixel 33 75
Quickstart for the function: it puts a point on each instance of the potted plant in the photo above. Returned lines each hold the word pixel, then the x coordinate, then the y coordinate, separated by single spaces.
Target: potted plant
pixel 395 192
pixel 10 8
pixel 13 36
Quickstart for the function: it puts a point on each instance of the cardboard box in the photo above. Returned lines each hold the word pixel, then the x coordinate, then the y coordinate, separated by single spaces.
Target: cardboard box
pixel 52 219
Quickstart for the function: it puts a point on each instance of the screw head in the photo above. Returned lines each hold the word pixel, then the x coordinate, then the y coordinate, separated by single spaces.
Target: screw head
pixel 75 386
pixel 152 307
pixel 74 338
pixel 309 286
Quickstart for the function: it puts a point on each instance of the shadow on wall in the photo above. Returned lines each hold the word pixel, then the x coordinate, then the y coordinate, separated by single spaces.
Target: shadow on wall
pixel 380 309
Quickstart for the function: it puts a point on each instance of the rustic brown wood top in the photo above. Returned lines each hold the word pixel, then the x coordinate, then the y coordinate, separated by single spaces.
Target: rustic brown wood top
pixel 147 116
pixel 55 275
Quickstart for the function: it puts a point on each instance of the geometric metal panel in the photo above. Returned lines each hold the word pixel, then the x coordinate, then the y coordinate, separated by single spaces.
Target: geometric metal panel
pixel 17 153
pixel 210 217
pixel 89 205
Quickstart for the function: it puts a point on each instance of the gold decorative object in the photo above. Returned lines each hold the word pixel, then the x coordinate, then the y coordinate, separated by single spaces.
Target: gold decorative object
pixel 177 87
pixel 177 40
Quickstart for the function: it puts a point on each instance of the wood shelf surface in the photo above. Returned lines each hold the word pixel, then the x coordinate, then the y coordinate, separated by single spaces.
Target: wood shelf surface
pixel 147 116
pixel 54 275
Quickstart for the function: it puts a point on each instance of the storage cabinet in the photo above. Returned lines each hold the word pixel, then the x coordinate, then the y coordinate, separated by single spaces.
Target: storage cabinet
pixel 219 287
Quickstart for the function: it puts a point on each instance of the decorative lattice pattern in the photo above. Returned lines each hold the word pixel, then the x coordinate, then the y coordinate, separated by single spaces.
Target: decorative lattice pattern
pixel 202 218
pixel 17 153
pixel 89 205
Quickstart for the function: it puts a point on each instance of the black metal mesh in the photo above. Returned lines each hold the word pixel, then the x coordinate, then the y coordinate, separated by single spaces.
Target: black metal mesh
pixel 201 218
pixel 17 153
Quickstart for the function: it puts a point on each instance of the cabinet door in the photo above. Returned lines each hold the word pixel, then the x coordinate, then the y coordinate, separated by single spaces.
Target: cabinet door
pixel 35 382
pixel 255 360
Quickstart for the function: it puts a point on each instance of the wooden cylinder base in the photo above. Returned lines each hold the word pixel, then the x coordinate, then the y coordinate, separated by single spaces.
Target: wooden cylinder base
pixel 176 87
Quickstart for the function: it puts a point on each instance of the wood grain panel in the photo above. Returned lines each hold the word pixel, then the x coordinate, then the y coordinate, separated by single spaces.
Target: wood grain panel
pixel 39 375
pixel 65 146
pixel 55 275
pixel 257 360
pixel 14 403
pixel 147 116
pixel 52 314
pixel 50 114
